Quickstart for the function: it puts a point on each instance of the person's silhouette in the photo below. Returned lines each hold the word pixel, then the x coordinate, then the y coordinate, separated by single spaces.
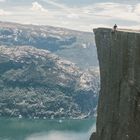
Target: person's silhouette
pixel 115 27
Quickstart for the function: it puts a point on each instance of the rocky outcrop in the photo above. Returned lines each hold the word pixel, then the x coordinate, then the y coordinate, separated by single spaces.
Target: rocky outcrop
pixel 119 102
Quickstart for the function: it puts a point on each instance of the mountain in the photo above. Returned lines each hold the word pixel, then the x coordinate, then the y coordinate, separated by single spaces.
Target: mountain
pixel 47 72
pixel 75 46
pixel 35 83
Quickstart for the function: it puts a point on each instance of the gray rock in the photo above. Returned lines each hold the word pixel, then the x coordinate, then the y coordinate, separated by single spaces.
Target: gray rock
pixel 119 102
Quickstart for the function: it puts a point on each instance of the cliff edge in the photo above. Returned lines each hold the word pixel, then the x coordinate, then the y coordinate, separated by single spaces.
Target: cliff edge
pixel 119 101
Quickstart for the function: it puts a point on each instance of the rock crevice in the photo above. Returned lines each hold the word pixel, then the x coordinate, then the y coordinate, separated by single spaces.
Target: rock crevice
pixel 119 101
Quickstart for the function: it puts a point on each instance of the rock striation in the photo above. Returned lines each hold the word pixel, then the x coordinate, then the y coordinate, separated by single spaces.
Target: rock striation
pixel 119 101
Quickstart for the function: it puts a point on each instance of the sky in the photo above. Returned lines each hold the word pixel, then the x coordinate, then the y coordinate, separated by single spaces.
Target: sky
pixel 83 15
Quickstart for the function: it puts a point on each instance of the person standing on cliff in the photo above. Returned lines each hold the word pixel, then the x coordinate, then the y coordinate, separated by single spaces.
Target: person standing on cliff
pixel 114 31
pixel 115 27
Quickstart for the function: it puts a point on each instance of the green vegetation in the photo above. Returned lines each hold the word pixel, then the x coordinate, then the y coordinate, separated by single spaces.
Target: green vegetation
pixel 36 84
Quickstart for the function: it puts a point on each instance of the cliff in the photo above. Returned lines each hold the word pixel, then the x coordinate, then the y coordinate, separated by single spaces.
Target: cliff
pixel 119 101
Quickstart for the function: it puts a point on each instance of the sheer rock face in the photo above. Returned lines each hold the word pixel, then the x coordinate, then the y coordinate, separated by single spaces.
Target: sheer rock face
pixel 119 102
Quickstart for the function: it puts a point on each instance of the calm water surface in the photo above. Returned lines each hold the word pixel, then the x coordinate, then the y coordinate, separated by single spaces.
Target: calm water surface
pixel 28 129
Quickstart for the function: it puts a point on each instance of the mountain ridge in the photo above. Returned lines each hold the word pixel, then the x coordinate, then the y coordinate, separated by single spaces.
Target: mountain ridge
pixel 74 46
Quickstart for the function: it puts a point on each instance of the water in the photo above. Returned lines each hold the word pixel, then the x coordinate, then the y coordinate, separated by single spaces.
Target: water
pixel 28 129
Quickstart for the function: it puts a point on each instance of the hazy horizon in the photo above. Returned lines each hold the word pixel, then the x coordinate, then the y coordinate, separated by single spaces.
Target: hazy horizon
pixel 78 15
